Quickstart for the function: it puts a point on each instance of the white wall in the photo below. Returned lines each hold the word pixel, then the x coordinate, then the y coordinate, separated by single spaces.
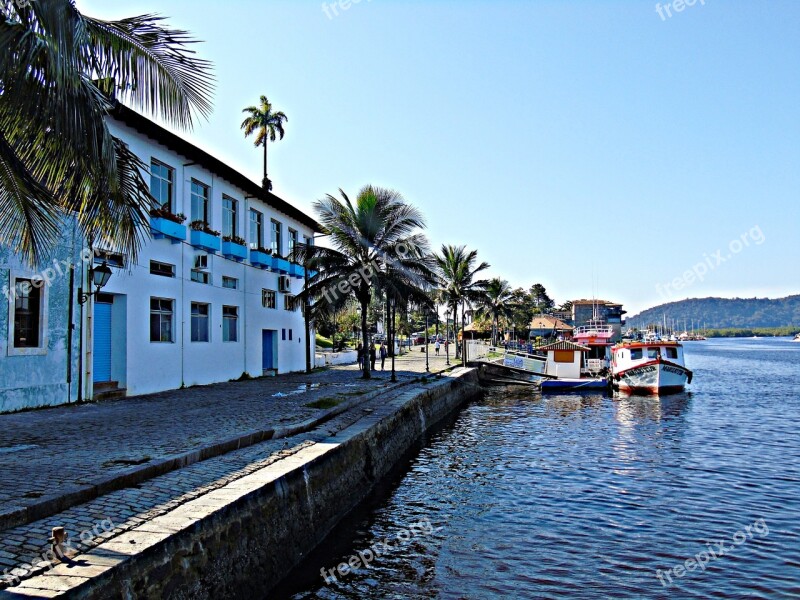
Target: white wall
pixel 151 367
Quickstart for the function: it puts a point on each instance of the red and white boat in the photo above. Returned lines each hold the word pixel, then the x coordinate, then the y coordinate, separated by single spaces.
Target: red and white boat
pixel 649 368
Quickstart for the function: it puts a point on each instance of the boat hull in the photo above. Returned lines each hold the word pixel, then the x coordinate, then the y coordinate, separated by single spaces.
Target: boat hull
pixel 655 378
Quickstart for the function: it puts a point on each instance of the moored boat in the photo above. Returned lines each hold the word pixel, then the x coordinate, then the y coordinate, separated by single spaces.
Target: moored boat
pixel 796 338
pixel 649 368
pixel 566 369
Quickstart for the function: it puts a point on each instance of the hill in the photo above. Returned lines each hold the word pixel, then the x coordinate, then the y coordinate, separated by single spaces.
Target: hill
pixel 720 313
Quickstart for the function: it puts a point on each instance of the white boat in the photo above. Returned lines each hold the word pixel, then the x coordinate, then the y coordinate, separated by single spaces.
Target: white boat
pixel 796 338
pixel 649 368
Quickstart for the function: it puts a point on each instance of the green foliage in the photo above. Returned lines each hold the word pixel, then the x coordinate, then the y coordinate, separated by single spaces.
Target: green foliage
pixel 754 332
pixel 725 313
pixel 328 402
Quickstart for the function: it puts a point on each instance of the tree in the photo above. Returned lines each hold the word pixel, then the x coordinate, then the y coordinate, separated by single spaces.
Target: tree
pixel 495 303
pixel 376 244
pixel 60 71
pixel 540 298
pixel 269 125
pixel 457 274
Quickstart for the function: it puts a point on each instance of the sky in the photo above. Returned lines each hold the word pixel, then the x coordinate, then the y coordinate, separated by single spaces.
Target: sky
pixel 623 150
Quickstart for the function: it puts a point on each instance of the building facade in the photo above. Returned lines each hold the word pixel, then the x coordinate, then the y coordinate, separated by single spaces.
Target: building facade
pixel 210 297
pixel 584 311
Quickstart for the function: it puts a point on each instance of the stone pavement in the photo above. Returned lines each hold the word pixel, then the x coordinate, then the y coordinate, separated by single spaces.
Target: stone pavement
pixel 46 455
pixel 22 547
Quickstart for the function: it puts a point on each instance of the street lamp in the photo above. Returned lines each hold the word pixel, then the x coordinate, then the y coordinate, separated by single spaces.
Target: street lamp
pixel 99 276
pixel 427 345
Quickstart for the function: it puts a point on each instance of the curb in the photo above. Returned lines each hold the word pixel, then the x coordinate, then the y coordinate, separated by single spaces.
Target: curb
pixel 53 505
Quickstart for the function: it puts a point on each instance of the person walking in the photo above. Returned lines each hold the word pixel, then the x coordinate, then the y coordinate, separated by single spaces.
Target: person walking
pixel 384 353
pixel 436 346
pixel 372 356
pixel 360 351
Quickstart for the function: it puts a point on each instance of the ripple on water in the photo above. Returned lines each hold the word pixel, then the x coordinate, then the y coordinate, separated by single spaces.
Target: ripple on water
pixel 586 497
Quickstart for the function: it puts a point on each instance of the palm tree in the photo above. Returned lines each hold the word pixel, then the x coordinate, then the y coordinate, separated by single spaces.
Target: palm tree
pixel 60 71
pixel 495 303
pixel 269 125
pixel 375 245
pixel 457 272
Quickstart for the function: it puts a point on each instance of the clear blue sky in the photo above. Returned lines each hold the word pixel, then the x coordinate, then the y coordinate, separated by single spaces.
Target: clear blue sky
pixel 594 147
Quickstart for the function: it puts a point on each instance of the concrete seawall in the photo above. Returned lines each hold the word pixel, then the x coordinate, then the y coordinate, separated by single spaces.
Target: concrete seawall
pixel 240 540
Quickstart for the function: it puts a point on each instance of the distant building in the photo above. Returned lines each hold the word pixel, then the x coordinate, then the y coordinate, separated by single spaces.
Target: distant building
pixel 584 311
pixel 549 325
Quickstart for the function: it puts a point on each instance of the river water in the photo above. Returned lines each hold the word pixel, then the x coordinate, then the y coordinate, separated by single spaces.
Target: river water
pixel 524 496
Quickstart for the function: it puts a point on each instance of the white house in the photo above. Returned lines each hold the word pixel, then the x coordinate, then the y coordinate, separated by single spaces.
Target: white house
pixel 207 299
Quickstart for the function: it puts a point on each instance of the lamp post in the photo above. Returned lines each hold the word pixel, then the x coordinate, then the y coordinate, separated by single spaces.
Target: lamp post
pixel 447 336
pixel 99 278
pixel 427 345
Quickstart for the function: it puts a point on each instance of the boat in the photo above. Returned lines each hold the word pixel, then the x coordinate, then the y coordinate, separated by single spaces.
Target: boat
pixel 597 336
pixel 566 369
pixel 796 338
pixel 649 368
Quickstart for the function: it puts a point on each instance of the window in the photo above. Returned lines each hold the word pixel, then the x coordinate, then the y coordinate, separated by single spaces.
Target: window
pixel 113 259
pixel 672 353
pixel 309 241
pixel 230 323
pixel 256 229
pixel 652 353
pixel 269 299
pixel 230 212
pixel 27 313
pixel 199 202
pixel 230 282
pixel 161 316
pixel 290 335
pixel 563 356
pixel 289 302
pixel 199 276
pixel 162 269
pixel 292 241
pixel 277 241
pixel 161 179
pixel 283 335
pixel 636 354
pixel 199 322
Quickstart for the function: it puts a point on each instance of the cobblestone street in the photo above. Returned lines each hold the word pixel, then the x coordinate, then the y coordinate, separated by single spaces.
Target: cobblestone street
pixel 54 452
pixel 129 507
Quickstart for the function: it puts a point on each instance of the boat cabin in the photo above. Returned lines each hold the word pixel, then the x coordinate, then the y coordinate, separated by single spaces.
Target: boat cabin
pixel 565 360
pixel 643 352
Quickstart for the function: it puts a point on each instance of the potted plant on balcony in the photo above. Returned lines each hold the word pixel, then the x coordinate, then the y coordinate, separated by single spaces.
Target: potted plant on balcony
pixel 280 264
pixel 261 257
pixel 204 237
pixel 166 224
pixel 234 247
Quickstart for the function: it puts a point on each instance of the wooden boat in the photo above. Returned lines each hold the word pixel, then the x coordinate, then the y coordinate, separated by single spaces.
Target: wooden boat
pixel 649 368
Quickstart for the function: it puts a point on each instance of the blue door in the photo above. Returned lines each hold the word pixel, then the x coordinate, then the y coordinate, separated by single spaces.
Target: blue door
pixel 268 358
pixel 102 342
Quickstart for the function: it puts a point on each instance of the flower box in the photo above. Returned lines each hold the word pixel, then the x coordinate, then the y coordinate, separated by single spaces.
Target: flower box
pixel 260 259
pixel 204 241
pixel 235 251
pixel 166 228
pixel 296 270
pixel 280 265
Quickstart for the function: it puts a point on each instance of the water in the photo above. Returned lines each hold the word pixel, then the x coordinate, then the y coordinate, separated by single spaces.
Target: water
pixel 588 497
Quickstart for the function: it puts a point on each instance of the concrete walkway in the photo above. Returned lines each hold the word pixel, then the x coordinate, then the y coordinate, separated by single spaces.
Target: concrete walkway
pixel 53 459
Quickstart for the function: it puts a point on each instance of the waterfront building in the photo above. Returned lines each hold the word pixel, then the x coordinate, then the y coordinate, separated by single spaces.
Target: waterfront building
pixel 208 298
pixel 584 311
pixel 548 325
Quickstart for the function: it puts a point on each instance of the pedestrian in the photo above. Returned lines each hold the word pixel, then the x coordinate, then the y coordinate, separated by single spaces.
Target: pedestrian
pixel 437 346
pixel 384 353
pixel 372 356
pixel 360 350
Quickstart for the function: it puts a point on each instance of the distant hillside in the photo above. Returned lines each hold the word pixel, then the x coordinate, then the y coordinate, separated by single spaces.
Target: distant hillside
pixel 719 313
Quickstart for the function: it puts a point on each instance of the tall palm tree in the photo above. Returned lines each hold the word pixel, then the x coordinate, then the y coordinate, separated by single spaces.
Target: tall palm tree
pixel 60 71
pixel 457 273
pixel 375 244
pixel 269 125
pixel 496 303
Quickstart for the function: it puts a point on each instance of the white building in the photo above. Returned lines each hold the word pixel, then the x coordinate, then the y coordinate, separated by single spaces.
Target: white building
pixel 195 307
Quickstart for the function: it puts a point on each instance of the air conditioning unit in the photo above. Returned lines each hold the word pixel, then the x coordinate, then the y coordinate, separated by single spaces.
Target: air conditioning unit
pixel 201 261
pixel 284 283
